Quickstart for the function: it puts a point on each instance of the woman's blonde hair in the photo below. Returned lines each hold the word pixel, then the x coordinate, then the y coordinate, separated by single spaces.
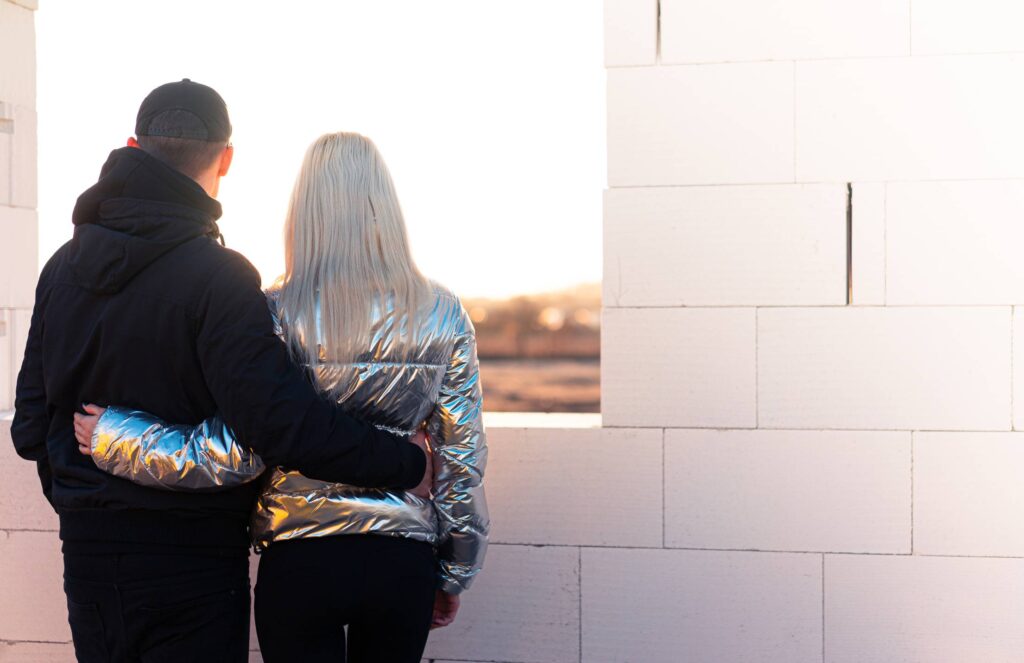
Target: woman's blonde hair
pixel 346 253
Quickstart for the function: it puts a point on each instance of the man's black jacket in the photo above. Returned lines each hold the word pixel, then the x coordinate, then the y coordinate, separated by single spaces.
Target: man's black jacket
pixel 144 308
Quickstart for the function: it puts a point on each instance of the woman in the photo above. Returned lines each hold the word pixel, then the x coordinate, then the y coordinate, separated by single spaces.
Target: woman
pixel 395 350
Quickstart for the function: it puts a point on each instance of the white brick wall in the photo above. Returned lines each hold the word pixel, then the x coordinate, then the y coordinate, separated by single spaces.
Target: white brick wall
pixel 737 30
pixel 923 609
pixel 14 324
pixel 665 606
pixel 33 616
pixel 788 490
pixel 18 274
pixel 884 368
pixel 955 242
pixel 18 55
pixel 630 32
pixel 587 513
pixel 716 124
pixel 968 494
pixel 868 243
pixel 1018 368
pixel 524 608
pixel 724 245
pixel 18 224
pixel 678 367
pixel 21 320
pixel 909 118
pixel 23 158
pixel 879 427
pixel 978 26
pixel 5 157
pixel 7 366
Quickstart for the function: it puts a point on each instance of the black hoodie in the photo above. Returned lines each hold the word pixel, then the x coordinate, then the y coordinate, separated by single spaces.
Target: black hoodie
pixel 145 308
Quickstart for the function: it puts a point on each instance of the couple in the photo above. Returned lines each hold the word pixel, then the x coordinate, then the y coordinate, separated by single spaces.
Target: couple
pixel 335 420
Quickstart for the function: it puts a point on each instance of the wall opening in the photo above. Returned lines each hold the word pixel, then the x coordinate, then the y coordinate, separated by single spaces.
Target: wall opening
pixel 498 151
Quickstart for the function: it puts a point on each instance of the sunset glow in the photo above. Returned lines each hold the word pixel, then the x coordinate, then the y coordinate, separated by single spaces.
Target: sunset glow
pixel 498 151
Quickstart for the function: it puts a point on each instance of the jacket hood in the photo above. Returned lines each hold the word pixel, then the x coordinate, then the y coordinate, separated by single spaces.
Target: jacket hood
pixel 140 209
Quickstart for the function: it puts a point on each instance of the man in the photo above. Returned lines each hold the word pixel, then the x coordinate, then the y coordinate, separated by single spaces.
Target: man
pixel 144 307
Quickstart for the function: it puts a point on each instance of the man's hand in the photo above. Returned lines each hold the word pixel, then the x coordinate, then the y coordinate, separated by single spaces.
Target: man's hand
pixel 421 440
pixel 445 608
pixel 85 424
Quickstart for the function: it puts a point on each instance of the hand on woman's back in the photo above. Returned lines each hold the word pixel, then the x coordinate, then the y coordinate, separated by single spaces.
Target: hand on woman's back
pixel 85 424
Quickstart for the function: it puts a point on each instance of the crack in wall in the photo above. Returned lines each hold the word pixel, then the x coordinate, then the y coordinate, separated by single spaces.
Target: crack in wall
pixel 849 243
pixel 657 39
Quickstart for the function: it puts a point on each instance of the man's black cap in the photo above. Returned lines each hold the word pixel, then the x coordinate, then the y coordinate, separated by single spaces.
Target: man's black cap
pixel 184 110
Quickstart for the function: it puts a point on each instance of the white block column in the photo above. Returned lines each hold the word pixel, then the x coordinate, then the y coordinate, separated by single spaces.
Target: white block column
pixel 18 224
pixel 845 177
pixel 33 619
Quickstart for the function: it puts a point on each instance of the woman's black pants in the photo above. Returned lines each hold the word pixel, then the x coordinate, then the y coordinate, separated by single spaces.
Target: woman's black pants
pixel 381 587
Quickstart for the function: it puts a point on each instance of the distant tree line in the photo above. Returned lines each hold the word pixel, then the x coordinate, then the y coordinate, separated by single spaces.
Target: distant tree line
pixel 552 325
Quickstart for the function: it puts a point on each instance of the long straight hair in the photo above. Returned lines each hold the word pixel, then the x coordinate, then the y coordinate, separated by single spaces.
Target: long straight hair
pixel 346 254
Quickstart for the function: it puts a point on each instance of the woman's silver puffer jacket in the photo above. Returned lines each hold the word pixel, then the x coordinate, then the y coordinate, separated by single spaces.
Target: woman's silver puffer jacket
pixel 437 383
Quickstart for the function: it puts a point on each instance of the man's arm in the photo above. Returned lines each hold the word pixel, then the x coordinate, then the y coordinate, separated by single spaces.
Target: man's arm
pixel 31 417
pixel 271 405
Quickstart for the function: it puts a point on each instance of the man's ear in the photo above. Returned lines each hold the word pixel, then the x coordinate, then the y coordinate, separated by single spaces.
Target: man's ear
pixel 132 142
pixel 225 160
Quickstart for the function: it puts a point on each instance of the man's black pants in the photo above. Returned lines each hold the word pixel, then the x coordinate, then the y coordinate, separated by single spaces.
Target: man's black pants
pixel 157 607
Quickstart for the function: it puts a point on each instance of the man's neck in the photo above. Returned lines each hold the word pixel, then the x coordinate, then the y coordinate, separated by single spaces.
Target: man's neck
pixel 210 183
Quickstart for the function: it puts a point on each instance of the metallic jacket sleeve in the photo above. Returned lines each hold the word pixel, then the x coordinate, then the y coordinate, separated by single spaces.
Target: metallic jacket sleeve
pixel 460 456
pixel 145 450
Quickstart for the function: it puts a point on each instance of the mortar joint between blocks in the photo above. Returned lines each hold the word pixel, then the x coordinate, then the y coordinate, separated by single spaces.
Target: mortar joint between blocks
pixel 579 597
pixel 664 434
pixel 912 442
pixel 757 368
pixel 823 608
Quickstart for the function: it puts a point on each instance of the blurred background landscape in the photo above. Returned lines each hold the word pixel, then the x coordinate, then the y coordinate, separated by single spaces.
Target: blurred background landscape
pixel 540 353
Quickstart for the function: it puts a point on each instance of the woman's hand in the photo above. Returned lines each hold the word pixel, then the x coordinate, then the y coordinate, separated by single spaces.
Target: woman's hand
pixel 446 606
pixel 85 424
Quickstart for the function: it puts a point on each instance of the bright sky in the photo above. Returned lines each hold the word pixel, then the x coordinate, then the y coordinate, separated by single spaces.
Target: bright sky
pixel 489 114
